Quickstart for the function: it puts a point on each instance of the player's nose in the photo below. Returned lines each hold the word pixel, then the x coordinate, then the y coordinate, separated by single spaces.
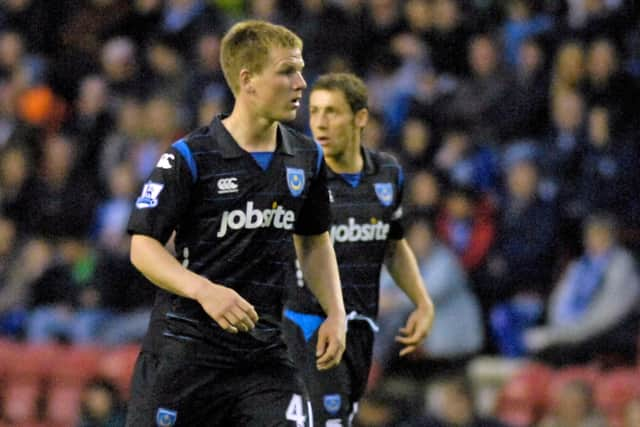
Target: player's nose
pixel 299 83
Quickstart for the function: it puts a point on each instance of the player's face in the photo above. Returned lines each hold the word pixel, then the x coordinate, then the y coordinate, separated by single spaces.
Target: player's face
pixel 332 122
pixel 277 90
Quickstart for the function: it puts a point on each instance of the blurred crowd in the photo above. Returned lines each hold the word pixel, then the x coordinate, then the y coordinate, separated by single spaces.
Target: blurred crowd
pixel 515 121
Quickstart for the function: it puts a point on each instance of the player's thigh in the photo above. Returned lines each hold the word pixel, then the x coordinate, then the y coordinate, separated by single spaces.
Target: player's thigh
pixel 329 394
pixel 174 393
pixel 270 396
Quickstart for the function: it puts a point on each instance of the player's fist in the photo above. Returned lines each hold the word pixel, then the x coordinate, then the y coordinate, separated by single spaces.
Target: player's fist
pixel 224 305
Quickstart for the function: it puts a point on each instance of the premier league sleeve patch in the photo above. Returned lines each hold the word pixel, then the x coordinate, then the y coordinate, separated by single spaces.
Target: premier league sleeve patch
pixel 384 191
pixel 166 417
pixel 149 196
pixel 295 181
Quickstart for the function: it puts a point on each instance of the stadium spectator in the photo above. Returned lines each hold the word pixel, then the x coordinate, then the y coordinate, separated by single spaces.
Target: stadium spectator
pixel 521 23
pixel 61 201
pixel 593 309
pixel 206 80
pixel 425 194
pixel 325 28
pixel 120 67
pixel 458 308
pixel 608 85
pixel 417 146
pixel 67 301
pixel 568 68
pixel 466 162
pixel 166 70
pixel 450 34
pixel 101 405
pixel 609 161
pixel 184 20
pixel 526 109
pixel 466 223
pixel 520 265
pixel 477 99
pixel 90 122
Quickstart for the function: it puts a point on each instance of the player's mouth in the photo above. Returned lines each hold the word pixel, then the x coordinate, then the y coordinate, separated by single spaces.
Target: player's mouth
pixel 322 140
pixel 295 102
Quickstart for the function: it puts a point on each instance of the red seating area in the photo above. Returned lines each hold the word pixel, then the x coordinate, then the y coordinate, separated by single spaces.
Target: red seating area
pixel 532 391
pixel 41 385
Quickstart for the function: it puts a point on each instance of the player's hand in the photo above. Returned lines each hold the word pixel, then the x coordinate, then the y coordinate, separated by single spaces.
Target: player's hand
pixel 416 329
pixel 332 337
pixel 224 305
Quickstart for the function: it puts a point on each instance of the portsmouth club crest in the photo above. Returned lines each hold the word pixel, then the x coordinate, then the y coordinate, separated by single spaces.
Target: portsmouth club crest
pixel 295 181
pixel 332 403
pixel 166 417
pixel 384 191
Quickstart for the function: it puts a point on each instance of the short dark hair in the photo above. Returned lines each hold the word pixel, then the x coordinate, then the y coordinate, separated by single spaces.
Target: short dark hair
pixel 353 88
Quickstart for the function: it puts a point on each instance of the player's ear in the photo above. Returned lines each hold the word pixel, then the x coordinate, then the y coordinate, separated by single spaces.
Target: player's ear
pixel 362 117
pixel 246 81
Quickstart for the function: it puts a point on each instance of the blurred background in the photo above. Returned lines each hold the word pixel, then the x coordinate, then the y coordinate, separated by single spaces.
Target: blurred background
pixel 518 126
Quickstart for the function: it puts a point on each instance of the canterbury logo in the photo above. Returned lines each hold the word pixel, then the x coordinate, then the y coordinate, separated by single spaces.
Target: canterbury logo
pixel 227 185
pixel 165 161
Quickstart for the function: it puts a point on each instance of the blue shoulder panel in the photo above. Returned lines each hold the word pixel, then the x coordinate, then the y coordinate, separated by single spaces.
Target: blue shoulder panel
pixel 185 151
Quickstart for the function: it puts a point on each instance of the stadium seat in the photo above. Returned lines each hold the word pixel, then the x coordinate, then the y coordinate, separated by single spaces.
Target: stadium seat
pixel 63 404
pixel 75 364
pixel 20 401
pixel 523 399
pixel 117 366
pixel 7 349
pixel 30 361
pixel 614 390
pixel 589 374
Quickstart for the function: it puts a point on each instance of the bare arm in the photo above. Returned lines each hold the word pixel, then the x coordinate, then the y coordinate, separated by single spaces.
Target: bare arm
pixel 320 269
pixel 403 267
pixel 222 304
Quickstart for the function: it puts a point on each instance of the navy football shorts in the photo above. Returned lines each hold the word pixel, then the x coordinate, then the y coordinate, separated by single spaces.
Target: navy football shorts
pixel 169 391
pixel 333 393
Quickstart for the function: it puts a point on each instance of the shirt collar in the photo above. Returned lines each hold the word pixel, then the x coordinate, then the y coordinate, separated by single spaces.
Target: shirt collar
pixel 368 167
pixel 230 148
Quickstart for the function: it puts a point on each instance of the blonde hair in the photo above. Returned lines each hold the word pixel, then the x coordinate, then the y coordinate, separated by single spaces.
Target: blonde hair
pixel 247 45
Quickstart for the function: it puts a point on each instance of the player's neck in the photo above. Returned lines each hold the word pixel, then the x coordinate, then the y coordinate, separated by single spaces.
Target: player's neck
pixel 251 133
pixel 348 161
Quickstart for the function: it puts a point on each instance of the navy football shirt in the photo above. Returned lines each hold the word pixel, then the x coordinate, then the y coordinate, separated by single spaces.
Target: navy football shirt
pixel 363 218
pixel 233 222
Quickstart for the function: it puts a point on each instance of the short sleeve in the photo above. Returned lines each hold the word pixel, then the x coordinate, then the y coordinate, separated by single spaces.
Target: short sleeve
pixel 164 196
pixel 397 227
pixel 315 214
